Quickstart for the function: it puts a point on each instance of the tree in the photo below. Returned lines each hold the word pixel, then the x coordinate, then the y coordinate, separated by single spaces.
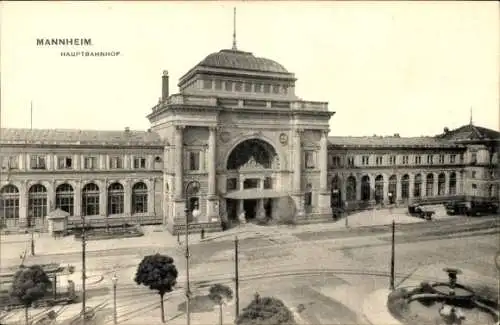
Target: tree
pixel 219 294
pixel 159 273
pixel 265 311
pixel 29 285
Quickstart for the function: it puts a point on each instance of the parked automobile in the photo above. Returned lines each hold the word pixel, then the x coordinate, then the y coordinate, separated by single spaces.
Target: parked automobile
pixel 471 208
pixel 416 210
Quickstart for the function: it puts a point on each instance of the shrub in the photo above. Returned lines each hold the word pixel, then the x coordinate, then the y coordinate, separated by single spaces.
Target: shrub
pixel 265 311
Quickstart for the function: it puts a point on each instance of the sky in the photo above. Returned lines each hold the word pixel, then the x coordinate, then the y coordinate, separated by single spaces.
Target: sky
pixel 411 68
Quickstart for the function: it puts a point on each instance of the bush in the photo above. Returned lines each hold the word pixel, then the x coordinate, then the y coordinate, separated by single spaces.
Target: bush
pixel 265 311
pixel 397 302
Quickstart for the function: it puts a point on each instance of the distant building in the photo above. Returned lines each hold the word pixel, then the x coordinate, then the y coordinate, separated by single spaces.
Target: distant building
pixel 238 129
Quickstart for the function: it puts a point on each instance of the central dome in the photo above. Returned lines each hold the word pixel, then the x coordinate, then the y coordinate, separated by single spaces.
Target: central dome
pixel 233 59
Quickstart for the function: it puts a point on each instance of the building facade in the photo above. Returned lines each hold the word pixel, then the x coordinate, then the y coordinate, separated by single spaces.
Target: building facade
pixel 234 142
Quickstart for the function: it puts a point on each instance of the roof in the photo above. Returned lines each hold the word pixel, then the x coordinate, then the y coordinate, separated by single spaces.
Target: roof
pixel 79 137
pixel 470 132
pixel 233 59
pixel 391 141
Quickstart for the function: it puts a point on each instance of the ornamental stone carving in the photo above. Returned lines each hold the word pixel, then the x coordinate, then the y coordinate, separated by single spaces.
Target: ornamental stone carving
pixel 225 137
pixel 283 139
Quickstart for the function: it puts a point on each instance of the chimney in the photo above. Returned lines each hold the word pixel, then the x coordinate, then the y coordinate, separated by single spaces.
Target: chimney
pixel 164 85
pixel 396 135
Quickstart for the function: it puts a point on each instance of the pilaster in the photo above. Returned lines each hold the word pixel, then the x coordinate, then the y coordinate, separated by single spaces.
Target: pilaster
pixel 179 165
pixel 447 184
pixel 77 199
pixel 127 199
pixel 23 203
pixel 103 199
pixel 151 196
pixel 324 197
pixel 435 186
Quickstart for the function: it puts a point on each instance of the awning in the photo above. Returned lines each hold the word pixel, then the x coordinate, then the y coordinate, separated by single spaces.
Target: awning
pixel 254 193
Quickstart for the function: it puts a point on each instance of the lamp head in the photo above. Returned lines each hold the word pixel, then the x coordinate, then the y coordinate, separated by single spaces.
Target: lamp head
pixel 114 278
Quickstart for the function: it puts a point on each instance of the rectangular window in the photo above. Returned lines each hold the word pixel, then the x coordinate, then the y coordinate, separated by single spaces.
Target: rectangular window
pixel 350 161
pixel 231 184
pixel 452 159
pixel 268 183
pixel 64 162
pixel 10 163
pixel 194 160
pixel 267 89
pixel 405 160
pixel 285 90
pixel 229 86
pixel 276 89
pixel 218 84
pixel 418 160
pixel 365 160
pixel 336 161
pixel 116 163
pixel 237 86
pixel 392 160
pixel 139 163
pixel 37 162
pixel 461 158
pixel 378 160
pixel 473 158
pixel 248 87
pixel 90 162
pixel 429 159
pixel 473 174
pixel 309 159
pixel 258 88
pixel 207 84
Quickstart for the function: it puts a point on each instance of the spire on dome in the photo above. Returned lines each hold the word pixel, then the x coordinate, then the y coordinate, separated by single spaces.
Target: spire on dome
pixel 470 122
pixel 234 29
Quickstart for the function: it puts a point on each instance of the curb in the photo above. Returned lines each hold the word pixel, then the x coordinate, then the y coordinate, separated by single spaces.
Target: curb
pixel 375 308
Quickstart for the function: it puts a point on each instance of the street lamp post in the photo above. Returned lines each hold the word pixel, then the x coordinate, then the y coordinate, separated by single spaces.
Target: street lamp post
pixel 114 279
pixel 195 186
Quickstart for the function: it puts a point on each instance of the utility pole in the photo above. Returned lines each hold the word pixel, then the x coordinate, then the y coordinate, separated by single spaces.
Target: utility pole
pixel 236 278
pixel 188 291
pixel 84 275
pixel 392 255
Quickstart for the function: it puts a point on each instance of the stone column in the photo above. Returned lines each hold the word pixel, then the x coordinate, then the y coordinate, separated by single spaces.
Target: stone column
pixel 297 171
pixel 127 200
pixel 435 185
pixel 411 187
pixel 240 202
pixel 447 184
pixel 385 190
pixel 358 189
pixel 212 199
pixel 179 203
pixel 23 204
pixel 324 195
pixel 77 199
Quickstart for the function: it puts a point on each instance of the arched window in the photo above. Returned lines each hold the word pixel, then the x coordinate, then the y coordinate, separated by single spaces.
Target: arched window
pixel 365 188
pixel 429 185
pixel 453 184
pixel 139 198
pixel 405 187
pixel 65 198
pixel 441 184
pixel 336 197
pixel 9 203
pixel 417 186
pixel 379 188
pixel 37 204
pixel 351 189
pixel 115 198
pixel 392 192
pixel 90 200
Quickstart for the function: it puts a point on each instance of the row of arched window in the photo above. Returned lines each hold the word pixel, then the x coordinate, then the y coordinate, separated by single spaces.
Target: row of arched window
pixel 378 189
pixel 65 200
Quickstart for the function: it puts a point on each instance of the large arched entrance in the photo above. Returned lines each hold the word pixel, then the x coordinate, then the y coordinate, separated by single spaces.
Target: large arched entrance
pixel 252 178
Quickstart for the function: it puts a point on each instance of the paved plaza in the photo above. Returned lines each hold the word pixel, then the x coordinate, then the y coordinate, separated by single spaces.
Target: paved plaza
pixel 334 273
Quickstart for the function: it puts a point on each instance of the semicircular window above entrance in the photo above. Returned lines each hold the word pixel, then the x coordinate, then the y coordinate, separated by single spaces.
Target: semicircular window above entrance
pixel 253 154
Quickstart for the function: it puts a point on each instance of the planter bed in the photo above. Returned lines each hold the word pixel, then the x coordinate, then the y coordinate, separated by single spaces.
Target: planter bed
pixel 109 233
